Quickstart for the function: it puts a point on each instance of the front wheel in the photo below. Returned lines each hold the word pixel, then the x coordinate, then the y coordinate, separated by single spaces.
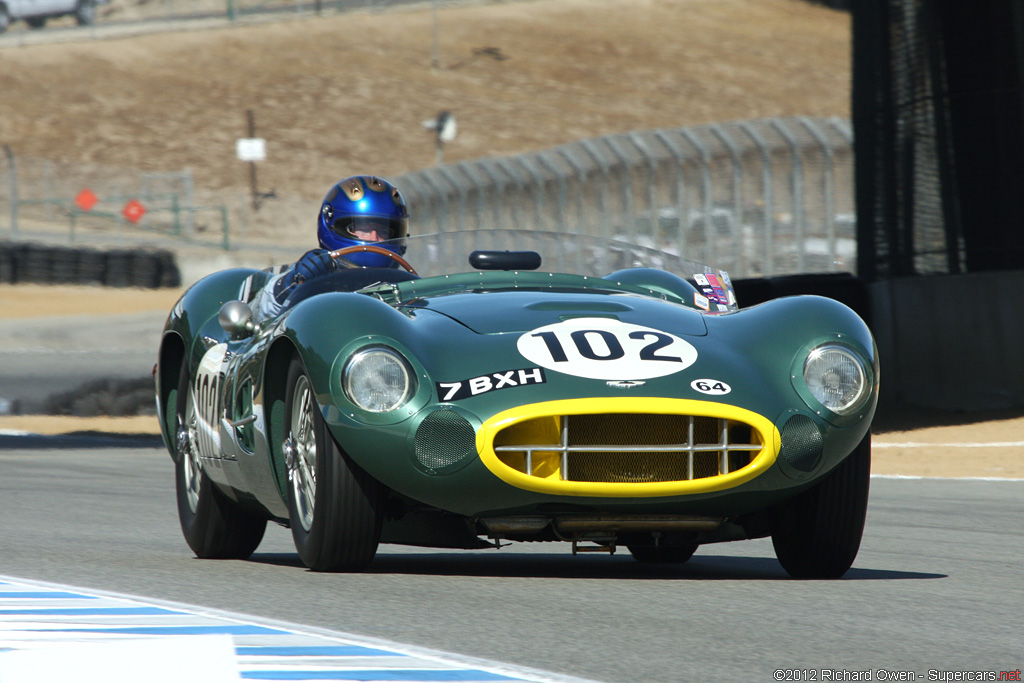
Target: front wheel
pixel 817 534
pixel 333 505
pixel 213 527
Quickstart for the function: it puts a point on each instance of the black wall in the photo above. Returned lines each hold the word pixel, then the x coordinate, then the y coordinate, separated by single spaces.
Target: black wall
pixel 938 112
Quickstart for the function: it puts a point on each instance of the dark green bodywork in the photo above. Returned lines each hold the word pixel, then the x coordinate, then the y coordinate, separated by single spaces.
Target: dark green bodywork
pixel 452 328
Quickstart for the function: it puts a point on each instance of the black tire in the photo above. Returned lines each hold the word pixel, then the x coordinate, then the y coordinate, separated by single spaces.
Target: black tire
pixel 36 22
pixel 213 527
pixel 118 271
pixel 333 505
pixel 651 554
pixel 817 534
pixel 91 266
pixel 85 13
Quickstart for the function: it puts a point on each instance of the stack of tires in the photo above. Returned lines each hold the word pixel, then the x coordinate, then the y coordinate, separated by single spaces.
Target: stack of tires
pixel 44 264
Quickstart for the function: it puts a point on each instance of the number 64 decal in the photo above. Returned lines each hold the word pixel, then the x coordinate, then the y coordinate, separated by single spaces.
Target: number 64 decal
pixel 713 387
pixel 604 348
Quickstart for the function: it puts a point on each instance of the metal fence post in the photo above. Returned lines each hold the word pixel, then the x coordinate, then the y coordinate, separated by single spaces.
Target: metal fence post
pixel 581 176
pixel 175 212
pixel 224 228
pixel 711 244
pixel 768 258
pixel 12 171
pixel 827 189
pixel 416 198
pixel 461 213
pixel 602 199
pixel 507 168
pixel 737 191
pixel 648 156
pixel 442 201
pixel 680 186
pixel 563 195
pixel 629 213
pixel 797 188
pixel 538 191
pixel 499 195
pixel 468 169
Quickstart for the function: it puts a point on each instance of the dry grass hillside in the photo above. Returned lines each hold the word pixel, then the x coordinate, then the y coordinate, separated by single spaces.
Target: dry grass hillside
pixel 339 93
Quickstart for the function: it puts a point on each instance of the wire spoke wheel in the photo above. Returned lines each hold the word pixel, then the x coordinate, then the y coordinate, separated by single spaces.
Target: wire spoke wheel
pixel 334 507
pixel 302 472
pixel 213 526
pixel 188 452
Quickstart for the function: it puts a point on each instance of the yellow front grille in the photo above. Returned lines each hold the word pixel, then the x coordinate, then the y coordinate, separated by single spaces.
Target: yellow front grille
pixel 627 448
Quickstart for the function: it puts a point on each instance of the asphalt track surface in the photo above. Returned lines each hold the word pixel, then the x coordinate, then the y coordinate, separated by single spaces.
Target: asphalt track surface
pixel 937 586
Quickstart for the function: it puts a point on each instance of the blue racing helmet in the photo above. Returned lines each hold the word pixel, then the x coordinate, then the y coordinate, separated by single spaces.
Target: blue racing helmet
pixel 361 210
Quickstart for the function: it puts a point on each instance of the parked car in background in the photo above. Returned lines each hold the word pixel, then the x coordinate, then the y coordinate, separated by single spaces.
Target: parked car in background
pixel 36 12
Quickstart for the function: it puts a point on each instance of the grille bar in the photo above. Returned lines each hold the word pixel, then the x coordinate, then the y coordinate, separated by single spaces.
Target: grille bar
pixel 688 448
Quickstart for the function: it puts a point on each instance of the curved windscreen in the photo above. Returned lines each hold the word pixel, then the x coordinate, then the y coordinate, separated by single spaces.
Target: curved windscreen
pixel 448 252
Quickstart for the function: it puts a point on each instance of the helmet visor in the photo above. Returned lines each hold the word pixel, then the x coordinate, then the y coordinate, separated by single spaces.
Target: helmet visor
pixel 370 228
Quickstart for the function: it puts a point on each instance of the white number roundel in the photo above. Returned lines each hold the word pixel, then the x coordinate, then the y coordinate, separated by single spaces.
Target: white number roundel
pixel 603 348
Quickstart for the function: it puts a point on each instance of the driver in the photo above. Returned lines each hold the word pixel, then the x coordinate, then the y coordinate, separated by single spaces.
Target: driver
pixel 359 210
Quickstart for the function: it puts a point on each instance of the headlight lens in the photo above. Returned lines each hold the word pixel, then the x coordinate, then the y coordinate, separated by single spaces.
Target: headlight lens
pixel 377 379
pixel 837 378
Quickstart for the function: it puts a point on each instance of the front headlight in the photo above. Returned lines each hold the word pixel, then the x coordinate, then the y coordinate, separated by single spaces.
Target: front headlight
pixel 377 379
pixel 837 378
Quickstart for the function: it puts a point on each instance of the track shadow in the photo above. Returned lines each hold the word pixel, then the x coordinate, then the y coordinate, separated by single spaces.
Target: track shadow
pixel 566 566
pixel 78 440
pixel 906 418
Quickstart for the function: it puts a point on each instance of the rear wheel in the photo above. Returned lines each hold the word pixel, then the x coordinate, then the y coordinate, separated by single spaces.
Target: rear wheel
pixel 334 506
pixel 653 554
pixel 817 534
pixel 213 527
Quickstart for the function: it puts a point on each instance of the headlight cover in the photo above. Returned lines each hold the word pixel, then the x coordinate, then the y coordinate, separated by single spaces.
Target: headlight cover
pixel 377 379
pixel 837 378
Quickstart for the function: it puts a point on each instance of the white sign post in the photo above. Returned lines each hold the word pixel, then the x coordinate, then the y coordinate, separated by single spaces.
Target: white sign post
pixel 251 149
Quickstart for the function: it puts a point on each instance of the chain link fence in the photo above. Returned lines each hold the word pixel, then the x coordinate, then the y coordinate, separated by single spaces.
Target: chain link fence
pixel 45 200
pixel 129 17
pixel 757 198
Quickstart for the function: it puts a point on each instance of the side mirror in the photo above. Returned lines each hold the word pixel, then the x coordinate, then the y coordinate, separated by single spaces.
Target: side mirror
pixel 235 318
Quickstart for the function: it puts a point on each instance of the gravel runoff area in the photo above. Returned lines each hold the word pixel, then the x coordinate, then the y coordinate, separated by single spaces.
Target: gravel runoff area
pixel 906 443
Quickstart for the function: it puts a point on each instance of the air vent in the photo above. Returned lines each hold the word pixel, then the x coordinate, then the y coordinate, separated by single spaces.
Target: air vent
pixel 445 441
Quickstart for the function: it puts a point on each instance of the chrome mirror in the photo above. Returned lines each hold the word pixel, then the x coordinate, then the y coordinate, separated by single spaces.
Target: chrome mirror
pixel 235 318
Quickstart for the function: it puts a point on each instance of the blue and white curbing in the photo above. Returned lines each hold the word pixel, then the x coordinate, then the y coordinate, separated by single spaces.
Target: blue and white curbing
pixel 51 633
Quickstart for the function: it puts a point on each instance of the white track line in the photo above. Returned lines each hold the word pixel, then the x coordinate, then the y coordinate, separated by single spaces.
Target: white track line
pixel 945 444
pixel 914 476
pixel 36 615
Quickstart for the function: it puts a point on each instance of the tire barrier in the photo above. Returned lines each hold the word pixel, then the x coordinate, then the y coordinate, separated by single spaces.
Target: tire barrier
pixel 846 288
pixel 104 397
pixel 44 264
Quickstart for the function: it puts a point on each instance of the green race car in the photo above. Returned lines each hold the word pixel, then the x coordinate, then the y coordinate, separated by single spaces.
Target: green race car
pixel 465 406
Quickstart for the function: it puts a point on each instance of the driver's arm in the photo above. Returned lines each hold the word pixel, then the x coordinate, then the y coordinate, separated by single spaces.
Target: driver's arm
pixel 272 299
